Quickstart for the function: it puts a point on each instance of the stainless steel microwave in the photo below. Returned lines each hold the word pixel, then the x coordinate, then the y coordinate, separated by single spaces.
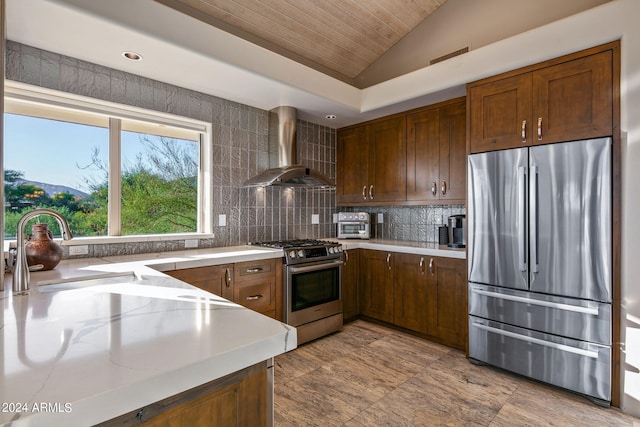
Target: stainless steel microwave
pixel 354 225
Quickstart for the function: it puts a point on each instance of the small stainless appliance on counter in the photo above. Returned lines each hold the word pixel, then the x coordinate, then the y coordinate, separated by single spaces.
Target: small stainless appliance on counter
pixel 312 286
pixel 354 225
pixel 457 233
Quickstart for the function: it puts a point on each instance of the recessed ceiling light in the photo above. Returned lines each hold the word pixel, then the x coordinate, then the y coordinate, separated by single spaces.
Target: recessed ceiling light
pixel 132 56
pixel 330 116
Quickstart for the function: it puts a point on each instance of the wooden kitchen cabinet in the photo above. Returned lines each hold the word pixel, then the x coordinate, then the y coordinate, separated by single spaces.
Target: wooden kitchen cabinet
pixel 387 161
pixel 423 294
pixel 371 163
pixel 376 285
pixel 214 279
pixel 238 399
pixel 350 284
pixel 256 285
pixel 565 99
pixel 436 153
pixel 447 300
pixel 410 292
pixel 405 159
pixel 352 166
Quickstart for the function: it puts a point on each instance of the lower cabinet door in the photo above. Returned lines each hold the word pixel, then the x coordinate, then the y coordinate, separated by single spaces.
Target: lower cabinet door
pixel 377 285
pixel 410 292
pixel 447 300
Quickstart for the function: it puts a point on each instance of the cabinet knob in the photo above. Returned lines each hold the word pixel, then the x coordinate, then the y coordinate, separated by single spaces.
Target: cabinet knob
pixel 434 188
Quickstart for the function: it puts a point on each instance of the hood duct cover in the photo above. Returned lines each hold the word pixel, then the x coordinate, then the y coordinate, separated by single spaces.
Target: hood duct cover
pixel 283 156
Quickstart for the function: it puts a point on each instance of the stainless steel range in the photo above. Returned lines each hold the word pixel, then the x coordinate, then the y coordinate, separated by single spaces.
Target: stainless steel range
pixel 312 287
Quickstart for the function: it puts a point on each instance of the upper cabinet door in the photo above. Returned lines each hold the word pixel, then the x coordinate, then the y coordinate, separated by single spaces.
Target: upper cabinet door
pixel 574 100
pixel 500 114
pixel 352 170
pixel 387 161
pixel 423 155
pixel 453 152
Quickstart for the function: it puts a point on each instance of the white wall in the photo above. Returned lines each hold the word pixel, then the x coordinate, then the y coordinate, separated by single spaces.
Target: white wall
pixel 627 21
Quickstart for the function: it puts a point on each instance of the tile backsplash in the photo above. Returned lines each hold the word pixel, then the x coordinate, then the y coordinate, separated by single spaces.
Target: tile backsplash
pixel 413 223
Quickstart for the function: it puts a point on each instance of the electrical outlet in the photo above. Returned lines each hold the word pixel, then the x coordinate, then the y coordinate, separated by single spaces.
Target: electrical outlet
pixel 222 220
pixel 190 243
pixel 78 250
pixel 380 218
pixel 315 219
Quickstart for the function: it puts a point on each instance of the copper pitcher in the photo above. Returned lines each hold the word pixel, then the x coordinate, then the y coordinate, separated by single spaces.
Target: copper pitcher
pixel 41 249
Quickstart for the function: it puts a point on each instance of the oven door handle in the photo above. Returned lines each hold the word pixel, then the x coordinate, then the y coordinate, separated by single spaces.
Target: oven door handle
pixel 315 267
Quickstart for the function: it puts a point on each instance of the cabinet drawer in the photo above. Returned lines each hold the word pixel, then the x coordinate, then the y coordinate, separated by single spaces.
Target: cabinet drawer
pixel 244 271
pixel 258 295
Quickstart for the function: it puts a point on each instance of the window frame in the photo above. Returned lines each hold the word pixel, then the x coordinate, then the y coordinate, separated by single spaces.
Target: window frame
pixel 78 105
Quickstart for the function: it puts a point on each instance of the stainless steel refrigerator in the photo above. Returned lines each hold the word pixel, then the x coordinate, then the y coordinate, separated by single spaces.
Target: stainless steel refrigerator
pixel 539 257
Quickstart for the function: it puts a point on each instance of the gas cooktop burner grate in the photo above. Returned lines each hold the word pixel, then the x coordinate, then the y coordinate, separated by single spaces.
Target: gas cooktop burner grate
pixel 296 243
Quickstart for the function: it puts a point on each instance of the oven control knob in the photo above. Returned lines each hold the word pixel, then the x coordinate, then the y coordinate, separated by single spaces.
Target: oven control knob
pixel 292 254
pixel 339 248
pixel 301 253
pixel 330 249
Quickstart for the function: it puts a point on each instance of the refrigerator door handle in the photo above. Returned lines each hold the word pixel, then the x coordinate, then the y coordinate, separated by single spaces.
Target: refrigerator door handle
pixel 567 307
pixel 522 226
pixel 533 221
pixel 561 347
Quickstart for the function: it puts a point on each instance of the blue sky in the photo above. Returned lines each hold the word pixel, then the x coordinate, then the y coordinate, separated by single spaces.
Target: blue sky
pixel 51 151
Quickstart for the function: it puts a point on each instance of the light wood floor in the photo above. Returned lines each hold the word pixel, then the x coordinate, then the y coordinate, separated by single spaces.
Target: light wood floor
pixel 368 375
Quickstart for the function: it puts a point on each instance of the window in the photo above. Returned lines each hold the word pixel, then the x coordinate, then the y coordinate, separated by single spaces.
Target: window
pixel 110 172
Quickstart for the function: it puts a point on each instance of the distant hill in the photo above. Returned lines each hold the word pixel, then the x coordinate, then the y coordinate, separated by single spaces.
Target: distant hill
pixel 52 189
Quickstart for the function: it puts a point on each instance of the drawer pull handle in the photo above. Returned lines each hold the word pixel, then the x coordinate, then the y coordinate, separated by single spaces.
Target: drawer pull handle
pixel 227 274
pixel 550 344
pixel 254 270
pixel 593 311
pixel 254 297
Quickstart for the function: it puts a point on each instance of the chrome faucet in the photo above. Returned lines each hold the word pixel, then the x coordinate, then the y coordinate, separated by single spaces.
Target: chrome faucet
pixel 21 271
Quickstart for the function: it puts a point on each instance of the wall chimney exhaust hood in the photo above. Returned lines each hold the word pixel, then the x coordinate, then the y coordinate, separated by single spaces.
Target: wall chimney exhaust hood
pixel 283 156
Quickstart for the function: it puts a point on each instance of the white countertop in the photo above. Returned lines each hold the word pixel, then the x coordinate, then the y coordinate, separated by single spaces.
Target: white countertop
pixel 114 344
pixel 417 248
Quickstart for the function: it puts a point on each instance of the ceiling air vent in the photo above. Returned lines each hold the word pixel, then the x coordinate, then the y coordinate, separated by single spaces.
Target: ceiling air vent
pixel 449 55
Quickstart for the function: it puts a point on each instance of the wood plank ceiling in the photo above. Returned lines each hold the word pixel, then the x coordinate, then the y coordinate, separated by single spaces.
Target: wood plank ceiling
pixel 338 37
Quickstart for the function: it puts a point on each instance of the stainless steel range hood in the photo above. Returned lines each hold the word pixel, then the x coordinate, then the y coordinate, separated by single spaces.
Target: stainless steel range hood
pixel 283 156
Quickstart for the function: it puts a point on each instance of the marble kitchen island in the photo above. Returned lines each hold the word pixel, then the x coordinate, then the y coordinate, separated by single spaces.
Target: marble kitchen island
pixel 84 352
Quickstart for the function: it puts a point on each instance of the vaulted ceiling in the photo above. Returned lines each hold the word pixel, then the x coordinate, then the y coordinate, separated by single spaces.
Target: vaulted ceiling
pixel 338 37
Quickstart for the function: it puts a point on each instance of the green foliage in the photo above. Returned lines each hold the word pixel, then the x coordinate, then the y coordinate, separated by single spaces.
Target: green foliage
pixel 159 195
